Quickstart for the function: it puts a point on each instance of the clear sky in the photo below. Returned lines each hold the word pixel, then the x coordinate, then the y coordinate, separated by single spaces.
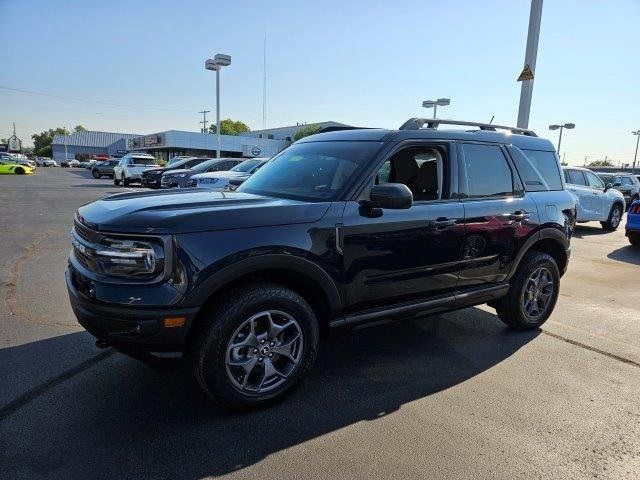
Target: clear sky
pixel 367 63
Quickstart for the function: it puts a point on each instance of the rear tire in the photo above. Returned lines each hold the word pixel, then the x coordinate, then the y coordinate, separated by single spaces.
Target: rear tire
pixel 116 182
pixel 125 182
pixel 532 294
pixel 634 239
pixel 615 216
pixel 233 361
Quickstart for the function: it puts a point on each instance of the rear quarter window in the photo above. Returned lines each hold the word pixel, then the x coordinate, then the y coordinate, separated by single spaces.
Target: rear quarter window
pixel 545 163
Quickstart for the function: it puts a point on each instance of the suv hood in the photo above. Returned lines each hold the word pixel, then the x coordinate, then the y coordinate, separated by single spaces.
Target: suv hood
pixel 193 211
pixel 220 174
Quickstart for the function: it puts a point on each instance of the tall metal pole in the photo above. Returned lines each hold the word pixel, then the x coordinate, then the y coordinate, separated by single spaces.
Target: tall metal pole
pixel 435 109
pixel 560 139
pixel 218 110
pixel 635 157
pixel 531 53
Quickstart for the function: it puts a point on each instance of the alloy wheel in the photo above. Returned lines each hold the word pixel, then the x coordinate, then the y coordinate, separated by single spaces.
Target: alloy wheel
pixel 615 217
pixel 537 293
pixel 263 352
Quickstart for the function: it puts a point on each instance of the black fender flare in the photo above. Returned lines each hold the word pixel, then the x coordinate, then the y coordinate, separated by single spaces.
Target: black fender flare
pixel 199 295
pixel 542 234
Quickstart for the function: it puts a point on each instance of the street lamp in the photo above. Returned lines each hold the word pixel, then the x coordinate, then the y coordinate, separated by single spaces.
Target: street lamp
pixel 218 61
pixel 561 127
pixel 434 103
pixel 635 157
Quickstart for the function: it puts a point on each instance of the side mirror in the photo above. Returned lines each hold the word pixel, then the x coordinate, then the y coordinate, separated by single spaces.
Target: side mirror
pixel 391 195
pixel 608 186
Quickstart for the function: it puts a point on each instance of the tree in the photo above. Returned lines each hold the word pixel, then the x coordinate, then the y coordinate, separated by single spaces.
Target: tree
pixel 42 141
pixel 230 127
pixel 601 163
pixel 79 128
pixel 306 131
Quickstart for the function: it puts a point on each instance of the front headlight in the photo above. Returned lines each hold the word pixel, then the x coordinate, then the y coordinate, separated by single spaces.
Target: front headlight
pixel 129 258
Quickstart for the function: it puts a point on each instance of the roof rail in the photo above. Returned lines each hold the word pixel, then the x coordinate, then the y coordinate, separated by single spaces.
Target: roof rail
pixel 434 123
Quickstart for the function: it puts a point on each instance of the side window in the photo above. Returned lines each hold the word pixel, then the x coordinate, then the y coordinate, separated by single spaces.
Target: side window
pixel 488 173
pixel 419 168
pixel 575 177
pixel 546 163
pixel 594 181
pixel 533 179
pixel 627 181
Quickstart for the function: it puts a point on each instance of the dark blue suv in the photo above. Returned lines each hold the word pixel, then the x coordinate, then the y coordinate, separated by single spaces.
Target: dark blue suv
pixel 341 229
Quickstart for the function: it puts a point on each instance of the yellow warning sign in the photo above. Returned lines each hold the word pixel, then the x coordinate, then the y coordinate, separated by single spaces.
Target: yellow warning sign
pixel 526 74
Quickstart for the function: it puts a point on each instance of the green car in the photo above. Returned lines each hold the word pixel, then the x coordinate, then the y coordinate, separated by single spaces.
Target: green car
pixel 9 168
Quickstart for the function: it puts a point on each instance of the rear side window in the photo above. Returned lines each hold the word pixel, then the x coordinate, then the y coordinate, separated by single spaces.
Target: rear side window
pixel 575 177
pixel 532 178
pixel 627 181
pixel 546 163
pixel 487 170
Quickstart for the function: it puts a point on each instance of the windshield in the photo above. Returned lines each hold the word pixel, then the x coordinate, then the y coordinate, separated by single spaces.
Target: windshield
pixel 315 171
pixel 245 166
pixel 606 177
pixel 143 161
pixel 202 167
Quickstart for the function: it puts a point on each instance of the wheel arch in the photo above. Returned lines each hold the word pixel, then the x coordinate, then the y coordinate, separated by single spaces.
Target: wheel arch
pixel 547 240
pixel 299 274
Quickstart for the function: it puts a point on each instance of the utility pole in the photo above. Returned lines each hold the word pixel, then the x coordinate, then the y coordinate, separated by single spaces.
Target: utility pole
pixel 204 120
pixel 531 53
pixel 264 83
pixel 635 157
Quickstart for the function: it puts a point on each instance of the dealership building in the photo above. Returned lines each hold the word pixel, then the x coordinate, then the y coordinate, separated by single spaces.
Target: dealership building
pixel 164 145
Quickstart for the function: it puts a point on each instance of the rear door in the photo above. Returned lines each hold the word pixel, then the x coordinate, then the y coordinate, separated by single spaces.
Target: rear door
pixel 498 216
pixel 599 201
pixel 577 184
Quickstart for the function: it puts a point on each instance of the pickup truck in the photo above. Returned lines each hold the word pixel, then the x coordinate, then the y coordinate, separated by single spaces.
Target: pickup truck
pixel 130 168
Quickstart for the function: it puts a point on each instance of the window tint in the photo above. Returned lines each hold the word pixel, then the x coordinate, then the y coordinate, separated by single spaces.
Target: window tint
pixel 575 177
pixel 546 163
pixel 531 176
pixel 627 181
pixel 488 173
pixel 419 168
pixel 594 181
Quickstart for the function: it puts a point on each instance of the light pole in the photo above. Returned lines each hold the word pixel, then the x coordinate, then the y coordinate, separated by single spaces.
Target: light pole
pixel 434 103
pixel 561 127
pixel 219 60
pixel 530 55
pixel 635 157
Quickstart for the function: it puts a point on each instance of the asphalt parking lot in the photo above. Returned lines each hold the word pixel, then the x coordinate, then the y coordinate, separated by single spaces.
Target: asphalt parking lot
pixel 451 396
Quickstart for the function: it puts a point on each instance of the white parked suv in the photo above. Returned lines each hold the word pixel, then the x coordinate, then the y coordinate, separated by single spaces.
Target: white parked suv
pixel 595 202
pixel 131 166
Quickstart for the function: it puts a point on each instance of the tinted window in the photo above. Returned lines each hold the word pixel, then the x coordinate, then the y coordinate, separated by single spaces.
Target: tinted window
pixel 314 171
pixel 575 177
pixel 608 178
pixel 594 181
pixel 532 178
pixel 488 173
pixel 245 166
pixel 627 181
pixel 143 161
pixel 546 163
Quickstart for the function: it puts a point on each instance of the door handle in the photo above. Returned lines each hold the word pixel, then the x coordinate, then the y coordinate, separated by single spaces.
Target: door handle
pixel 441 223
pixel 519 215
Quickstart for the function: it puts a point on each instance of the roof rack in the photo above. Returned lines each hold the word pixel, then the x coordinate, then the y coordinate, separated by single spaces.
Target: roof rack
pixel 434 123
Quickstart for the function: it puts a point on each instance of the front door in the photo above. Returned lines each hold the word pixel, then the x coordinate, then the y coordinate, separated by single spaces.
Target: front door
pixel 577 184
pixel 499 217
pixel 598 197
pixel 407 254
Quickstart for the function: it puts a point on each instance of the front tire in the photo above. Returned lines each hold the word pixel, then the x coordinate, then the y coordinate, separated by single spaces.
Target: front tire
pixel 116 182
pixel 254 347
pixel 19 171
pixel 533 292
pixel 95 174
pixel 125 181
pixel 615 216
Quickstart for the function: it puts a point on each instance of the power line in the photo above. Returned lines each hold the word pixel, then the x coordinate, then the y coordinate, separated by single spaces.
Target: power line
pixel 85 100
pixel 204 120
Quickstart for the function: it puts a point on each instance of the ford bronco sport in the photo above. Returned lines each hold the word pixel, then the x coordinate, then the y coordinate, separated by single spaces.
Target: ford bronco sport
pixel 340 229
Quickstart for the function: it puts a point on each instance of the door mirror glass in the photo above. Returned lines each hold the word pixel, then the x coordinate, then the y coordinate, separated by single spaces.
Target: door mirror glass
pixel 608 186
pixel 391 195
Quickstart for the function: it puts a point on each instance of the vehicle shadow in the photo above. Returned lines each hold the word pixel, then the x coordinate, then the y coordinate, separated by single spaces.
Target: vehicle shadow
pixel 122 419
pixel 582 231
pixel 627 254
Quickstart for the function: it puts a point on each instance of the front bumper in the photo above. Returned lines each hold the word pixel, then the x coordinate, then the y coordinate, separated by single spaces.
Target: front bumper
pixel 127 328
pixel 150 182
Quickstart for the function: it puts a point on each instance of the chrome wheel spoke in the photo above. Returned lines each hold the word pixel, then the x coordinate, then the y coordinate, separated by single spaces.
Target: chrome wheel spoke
pixel 537 293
